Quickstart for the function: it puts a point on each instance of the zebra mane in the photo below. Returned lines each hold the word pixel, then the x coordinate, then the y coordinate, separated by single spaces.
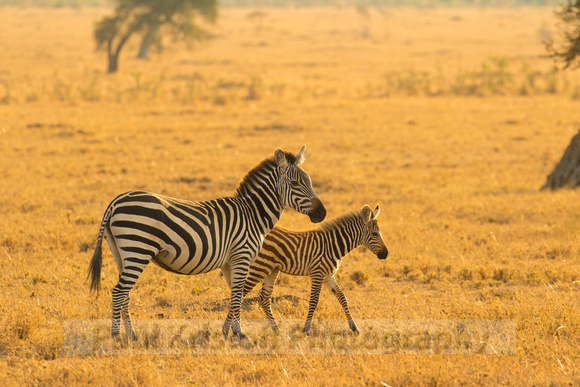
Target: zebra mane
pixel 349 217
pixel 265 165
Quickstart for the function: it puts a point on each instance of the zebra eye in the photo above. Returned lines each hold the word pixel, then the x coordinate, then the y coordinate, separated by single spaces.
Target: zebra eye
pixel 375 234
pixel 295 183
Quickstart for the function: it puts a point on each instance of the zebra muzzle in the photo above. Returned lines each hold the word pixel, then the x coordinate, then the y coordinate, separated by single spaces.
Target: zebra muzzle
pixel 318 212
pixel 383 254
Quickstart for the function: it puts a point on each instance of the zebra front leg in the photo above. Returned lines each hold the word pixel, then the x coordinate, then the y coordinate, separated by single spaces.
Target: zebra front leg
pixel 315 288
pixel 266 297
pixel 233 317
pixel 337 291
pixel 239 270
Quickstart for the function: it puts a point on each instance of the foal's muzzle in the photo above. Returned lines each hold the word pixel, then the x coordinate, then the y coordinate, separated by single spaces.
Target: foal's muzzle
pixel 318 212
pixel 383 254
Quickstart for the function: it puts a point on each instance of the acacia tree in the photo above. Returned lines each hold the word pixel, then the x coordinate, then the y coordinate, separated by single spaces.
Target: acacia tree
pixel 568 49
pixel 112 32
pixel 177 18
pixel 151 18
pixel 567 172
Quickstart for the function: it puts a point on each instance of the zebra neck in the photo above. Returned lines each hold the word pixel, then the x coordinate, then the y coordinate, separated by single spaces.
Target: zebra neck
pixel 345 238
pixel 266 210
pixel 258 191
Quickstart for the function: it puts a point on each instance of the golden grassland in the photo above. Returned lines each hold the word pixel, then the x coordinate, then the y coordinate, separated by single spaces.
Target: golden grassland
pixel 449 118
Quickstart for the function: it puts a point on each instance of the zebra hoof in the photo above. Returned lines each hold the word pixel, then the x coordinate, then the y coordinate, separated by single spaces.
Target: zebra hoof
pixel 353 328
pixel 240 336
pixel 118 341
pixel 226 330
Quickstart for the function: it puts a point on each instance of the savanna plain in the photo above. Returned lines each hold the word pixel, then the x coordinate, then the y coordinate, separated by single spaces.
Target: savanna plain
pixel 449 118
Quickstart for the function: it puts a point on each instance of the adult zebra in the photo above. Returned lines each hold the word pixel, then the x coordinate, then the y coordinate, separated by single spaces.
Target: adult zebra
pixel 316 253
pixel 190 238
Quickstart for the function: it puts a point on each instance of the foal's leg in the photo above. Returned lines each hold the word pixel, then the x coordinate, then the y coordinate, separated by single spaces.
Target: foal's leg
pixel 337 291
pixel 256 274
pixel 266 297
pixel 315 287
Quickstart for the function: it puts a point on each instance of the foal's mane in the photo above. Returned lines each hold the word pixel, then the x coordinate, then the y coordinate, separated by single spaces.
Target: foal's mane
pixel 349 217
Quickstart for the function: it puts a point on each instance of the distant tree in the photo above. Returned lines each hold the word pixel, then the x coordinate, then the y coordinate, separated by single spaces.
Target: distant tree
pixel 569 50
pixel 567 172
pixel 113 32
pixel 176 17
pixel 151 18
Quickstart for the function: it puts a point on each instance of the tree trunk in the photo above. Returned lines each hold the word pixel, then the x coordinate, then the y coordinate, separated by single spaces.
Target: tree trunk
pixel 148 38
pixel 143 49
pixel 567 171
pixel 114 54
pixel 113 63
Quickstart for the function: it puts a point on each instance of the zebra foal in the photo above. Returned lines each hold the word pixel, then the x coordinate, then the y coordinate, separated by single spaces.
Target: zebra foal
pixel 191 238
pixel 316 253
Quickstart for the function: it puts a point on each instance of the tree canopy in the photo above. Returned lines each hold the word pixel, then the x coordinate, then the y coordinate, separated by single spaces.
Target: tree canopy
pixel 150 19
pixel 568 50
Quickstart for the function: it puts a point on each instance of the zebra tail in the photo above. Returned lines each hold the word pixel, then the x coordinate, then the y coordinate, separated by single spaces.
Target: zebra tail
pixel 97 260
pixel 95 268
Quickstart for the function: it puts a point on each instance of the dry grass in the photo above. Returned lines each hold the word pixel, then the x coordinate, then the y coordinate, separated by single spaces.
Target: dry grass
pixel 457 177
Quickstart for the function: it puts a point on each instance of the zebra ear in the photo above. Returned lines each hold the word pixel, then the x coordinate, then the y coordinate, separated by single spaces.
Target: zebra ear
pixel 301 156
pixel 280 158
pixel 366 214
pixel 376 212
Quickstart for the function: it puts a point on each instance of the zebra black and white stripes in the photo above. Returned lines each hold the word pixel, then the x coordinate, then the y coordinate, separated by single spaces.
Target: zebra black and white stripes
pixel 316 253
pixel 189 238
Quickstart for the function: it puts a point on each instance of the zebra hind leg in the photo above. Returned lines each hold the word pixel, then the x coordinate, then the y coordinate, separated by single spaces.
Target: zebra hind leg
pixel 121 300
pixel 337 291
pixel 119 296
pixel 129 331
pixel 132 268
pixel 266 298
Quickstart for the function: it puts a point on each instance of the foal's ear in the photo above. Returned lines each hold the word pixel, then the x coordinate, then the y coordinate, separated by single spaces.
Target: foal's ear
pixel 376 212
pixel 280 159
pixel 301 156
pixel 366 214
